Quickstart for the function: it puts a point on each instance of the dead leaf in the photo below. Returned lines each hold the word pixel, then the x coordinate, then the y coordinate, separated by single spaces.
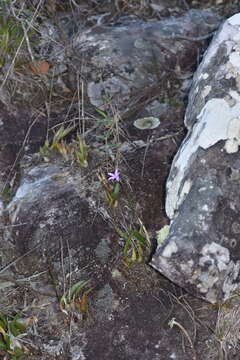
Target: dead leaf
pixel 39 67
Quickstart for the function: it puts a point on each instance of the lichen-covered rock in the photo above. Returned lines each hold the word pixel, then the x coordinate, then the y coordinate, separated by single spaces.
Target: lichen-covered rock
pixel 50 208
pixel 201 252
pixel 52 240
pixel 119 60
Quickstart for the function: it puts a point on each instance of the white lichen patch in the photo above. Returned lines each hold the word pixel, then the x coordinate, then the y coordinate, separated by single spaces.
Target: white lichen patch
pixel 185 190
pixel 170 249
pixel 28 189
pixel 234 20
pixel 216 254
pixel 196 90
pixel 104 44
pixel 234 95
pixel 233 134
pixel 225 35
pixel 233 64
pixel 216 122
pixel 207 281
pixel 213 122
pixel 230 285
pixel 204 76
pixel 34 184
pixel 236 37
pixel 215 268
pixel 206 91
pixel 232 71
pixel 187 267
pixel 234 59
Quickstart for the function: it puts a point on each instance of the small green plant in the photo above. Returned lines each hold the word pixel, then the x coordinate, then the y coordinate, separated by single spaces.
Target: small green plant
pixel 76 299
pixel 111 128
pixel 136 242
pixel 112 191
pixel 6 192
pixel 11 36
pixel 104 120
pixel 11 333
pixel 75 151
pixel 58 144
pixel 81 151
pixel 162 235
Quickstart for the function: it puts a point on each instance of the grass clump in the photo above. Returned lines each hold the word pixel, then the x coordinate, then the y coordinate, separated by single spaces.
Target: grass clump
pixel 76 151
pixel 136 242
pixel 112 191
pixel 227 329
pixel 13 30
pixel 11 333
pixel 75 300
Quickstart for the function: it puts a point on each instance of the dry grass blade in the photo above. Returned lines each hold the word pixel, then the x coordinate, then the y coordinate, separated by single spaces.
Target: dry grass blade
pixel 5 267
pixel 172 323
pixel 227 332
pixel 21 43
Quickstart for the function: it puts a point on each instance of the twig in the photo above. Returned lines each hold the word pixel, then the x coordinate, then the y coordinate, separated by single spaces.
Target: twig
pixel 4 268
pixel 27 41
pixel 176 323
pixel 190 312
pixel 7 226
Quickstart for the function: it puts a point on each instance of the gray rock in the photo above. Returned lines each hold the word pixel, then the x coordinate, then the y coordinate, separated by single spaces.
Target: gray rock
pixel 201 252
pixel 48 210
pixel 118 61
pixel 59 232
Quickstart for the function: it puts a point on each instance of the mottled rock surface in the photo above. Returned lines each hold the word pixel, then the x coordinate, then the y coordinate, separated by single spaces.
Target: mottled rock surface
pixel 52 207
pixel 201 252
pixel 133 55
pixel 56 236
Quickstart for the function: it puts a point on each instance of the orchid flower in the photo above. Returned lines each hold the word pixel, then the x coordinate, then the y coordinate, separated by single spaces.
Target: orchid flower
pixel 114 176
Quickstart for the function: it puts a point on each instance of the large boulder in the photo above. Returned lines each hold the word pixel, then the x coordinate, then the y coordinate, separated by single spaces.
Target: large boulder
pixel 53 237
pixel 50 209
pixel 201 252
pixel 131 59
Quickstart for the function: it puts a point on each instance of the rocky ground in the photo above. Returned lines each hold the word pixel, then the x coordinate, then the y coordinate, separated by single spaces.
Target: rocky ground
pixel 74 246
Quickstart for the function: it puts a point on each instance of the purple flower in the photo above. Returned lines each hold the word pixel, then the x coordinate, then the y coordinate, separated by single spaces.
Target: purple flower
pixel 114 176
